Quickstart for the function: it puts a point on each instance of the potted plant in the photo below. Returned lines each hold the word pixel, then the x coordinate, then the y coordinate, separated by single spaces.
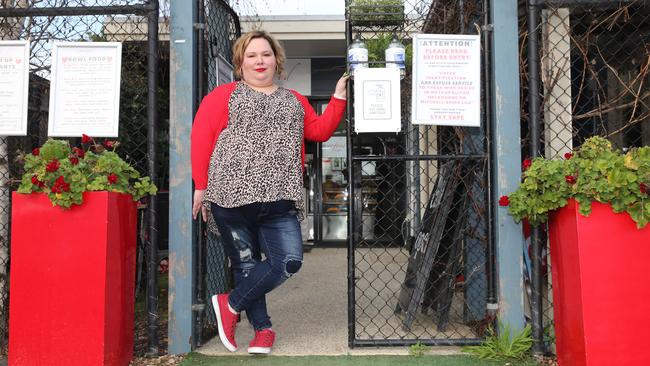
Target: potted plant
pixel 598 205
pixel 64 174
pixel 73 249
pixel 376 12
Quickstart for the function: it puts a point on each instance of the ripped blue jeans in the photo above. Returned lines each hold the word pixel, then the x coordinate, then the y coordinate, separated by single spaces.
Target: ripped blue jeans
pixel 269 228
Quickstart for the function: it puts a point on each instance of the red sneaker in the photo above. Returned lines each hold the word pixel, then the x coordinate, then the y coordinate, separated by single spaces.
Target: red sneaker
pixel 263 341
pixel 226 321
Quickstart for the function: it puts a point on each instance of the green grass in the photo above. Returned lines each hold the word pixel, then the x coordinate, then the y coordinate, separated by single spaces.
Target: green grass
pixel 194 359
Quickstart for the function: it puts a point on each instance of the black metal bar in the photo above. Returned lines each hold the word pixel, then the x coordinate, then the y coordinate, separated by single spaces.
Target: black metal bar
pixel 200 49
pixel 318 194
pixel 570 3
pixel 534 113
pixel 198 305
pixel 490 265
pixel 351 237
pixel 461 17
pixel 143 9
pixel 201 242
pixel 152 119
pixel 417 157
pixel 409 342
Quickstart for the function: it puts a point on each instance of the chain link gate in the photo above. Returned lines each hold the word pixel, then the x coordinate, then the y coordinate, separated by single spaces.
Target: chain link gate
pixel 397 178
pixel 218 29
pixel 589 62
pixel 83 21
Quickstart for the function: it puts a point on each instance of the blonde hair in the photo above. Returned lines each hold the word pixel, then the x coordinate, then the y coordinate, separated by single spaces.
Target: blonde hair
pixel 239 48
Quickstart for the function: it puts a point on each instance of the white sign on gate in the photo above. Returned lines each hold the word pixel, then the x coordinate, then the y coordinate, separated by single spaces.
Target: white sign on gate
pixel 377 100
pixel 85 89
pixel 446 80
pixel 14 87
pixel 224 71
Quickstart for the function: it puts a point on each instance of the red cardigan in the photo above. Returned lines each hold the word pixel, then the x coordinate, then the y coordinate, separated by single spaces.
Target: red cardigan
pixel 212 118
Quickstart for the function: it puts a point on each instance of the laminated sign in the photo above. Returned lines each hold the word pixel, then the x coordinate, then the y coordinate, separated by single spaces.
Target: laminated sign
pixel 446 80
pixel 377 100
pixel 85 89
pixel 14 84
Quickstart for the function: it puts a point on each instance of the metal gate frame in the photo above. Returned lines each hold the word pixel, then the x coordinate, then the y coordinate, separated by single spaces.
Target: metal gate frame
pixel 212 276
pixel 355 219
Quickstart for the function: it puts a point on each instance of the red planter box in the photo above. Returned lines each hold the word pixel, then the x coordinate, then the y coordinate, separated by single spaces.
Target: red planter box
pixel 72 281
pixel 600 287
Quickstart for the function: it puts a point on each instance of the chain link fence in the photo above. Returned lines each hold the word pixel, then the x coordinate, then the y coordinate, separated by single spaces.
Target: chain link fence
pixel 43 22
pixel 594 58
pixel 421 244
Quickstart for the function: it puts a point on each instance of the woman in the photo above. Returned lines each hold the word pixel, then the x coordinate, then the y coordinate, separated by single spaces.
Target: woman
pixel 247 162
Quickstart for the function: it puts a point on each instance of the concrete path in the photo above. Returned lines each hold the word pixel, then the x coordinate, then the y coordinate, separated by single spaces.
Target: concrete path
pixel 309 313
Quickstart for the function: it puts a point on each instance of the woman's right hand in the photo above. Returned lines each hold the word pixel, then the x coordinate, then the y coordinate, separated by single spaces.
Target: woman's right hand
pixel 197 205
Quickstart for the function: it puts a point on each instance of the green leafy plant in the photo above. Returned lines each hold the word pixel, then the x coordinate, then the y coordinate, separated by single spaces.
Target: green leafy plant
pixel 378 44
pixel 594 172
pixel 503 346
pixel 418 349
pixel 65 173
pixel 377 12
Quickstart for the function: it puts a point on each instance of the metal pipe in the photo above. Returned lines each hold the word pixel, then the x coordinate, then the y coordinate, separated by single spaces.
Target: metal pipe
pixel 152 119
pixel 78 10
pixel 198 303
pixel 490 265
pixel 461 16
pixel 569 3
pixel 417 157
pixel 534 113
pixel 350 150
pixel 409 342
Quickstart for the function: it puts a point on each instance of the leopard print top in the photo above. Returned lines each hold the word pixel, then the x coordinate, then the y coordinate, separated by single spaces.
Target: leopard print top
pixel 257 157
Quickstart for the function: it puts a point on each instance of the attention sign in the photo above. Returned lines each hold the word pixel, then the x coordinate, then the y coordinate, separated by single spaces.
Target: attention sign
pixel 446 80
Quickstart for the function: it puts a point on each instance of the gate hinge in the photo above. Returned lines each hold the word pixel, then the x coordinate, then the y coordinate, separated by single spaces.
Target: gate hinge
pixel 199 25
pixel 198 307
pixel 487 27
pixel 492 308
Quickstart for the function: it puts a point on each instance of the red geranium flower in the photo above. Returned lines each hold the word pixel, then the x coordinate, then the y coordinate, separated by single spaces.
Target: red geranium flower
pixel 643 188
pixel 79 152
pixel 504 201
pixel 74 160
pixel 109 144
pixel 35 179
pixel 60 185
pixel 85 138
pixel 526 164
pixel 36 151
pixel 52 166
pixel 568 156
pixel 570 179
pixel 112 178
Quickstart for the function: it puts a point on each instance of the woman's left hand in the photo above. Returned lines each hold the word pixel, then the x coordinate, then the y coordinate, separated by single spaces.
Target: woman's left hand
pixel 341 87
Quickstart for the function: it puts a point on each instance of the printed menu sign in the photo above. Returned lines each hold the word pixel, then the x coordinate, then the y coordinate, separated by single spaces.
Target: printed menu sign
pixel 446 80
pixel 85 89
pixel 14 85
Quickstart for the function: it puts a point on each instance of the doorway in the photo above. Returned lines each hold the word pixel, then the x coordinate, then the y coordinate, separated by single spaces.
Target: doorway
pixel 326 188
